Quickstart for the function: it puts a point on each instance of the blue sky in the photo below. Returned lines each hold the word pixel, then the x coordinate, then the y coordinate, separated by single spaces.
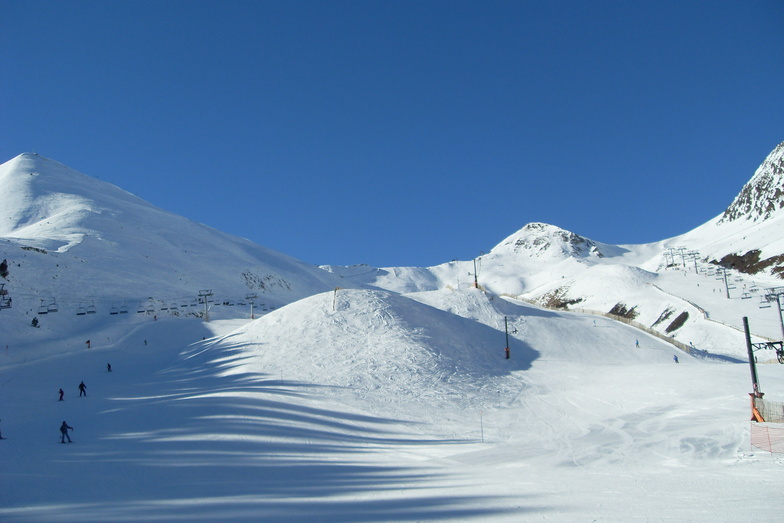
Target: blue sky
pixel 402 132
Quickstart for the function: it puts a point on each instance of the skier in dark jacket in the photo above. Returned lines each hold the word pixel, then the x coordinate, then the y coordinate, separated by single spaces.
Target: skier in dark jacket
pixel 64 432
pixel 61 394
pixel 82 389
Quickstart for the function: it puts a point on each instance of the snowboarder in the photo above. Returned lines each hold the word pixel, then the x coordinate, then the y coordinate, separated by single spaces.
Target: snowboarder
pixel 34 323
pixel 64 432
pixel 108 367
pixel 61 395
pixel 82 389
pixel 675 358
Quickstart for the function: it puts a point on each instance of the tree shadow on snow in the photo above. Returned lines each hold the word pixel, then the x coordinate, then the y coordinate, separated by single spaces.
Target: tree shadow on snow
pixel 204 441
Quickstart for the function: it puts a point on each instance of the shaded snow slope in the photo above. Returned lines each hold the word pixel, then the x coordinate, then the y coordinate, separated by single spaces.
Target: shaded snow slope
pixel 378 408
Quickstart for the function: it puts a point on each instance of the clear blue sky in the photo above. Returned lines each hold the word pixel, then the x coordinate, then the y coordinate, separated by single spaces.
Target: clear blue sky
pixel 402 132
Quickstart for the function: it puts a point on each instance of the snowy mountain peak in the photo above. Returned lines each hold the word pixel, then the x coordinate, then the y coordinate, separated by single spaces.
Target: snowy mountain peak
pixel 66 235
pixel 763 196
pixel 48 204
pixel 543 240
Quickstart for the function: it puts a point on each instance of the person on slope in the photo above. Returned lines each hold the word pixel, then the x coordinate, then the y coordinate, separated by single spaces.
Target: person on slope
pixel 82 389
pixel 64 432
pixel 675 358
pixel 61 395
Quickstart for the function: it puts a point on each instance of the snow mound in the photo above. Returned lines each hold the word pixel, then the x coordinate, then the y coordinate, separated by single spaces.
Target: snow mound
pixel 375 344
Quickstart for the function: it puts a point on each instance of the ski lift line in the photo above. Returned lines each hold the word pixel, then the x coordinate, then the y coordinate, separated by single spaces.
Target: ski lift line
pixel 112 305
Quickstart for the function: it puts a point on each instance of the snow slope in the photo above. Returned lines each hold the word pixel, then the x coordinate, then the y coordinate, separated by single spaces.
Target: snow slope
pixel 671 286
pixel 369 411
pixel 78 245
pixel 342 402
pixel 56 222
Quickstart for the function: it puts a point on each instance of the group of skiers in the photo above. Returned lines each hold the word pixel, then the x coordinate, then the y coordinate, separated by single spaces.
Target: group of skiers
pixel 82 390
pixel 64 428
pixel 674 357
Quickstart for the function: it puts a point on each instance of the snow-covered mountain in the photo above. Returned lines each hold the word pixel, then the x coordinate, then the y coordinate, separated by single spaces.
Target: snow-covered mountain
pixel 77 245
pixel 359 404
pixel 74 237
pixel 669 286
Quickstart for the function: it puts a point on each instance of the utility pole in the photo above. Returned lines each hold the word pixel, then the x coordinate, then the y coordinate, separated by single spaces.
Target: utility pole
pixel 251 297
pixel 476 282
pixel 683 258
pixel 506 330
pixel 694 255
pixel 669 253
pixel 754 380
pixel 204 295
pixel 775 294
pixel 724 276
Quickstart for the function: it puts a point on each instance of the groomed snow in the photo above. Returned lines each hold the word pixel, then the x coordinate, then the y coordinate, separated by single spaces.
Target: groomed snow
pixel 361 406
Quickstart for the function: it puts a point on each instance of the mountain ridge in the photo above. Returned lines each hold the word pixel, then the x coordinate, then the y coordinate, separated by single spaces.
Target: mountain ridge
pixel 72 239
pixel 67 234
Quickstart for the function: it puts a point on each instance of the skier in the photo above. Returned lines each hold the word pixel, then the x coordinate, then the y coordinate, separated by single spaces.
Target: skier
pixel 637 343
pixel 108 367
pixel 61 395
pixel 675 358
pixel 82 389
pixel 64 432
